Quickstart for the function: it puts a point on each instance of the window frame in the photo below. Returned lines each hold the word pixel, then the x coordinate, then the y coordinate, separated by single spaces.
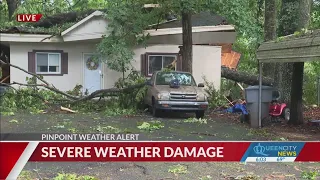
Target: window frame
pixel 162 55
pixel 48 53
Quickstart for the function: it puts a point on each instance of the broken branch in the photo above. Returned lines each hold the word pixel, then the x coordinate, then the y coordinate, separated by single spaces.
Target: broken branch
pixel 21 69
pixel 105 91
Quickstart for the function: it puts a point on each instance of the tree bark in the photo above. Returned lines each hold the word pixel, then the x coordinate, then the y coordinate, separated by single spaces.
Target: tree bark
pixel 187 42
pixel 296 116
pixel 12 7
pixel 270 20
pixel 243 77
pixel 296 110
pixel 287 25
pixel 270 33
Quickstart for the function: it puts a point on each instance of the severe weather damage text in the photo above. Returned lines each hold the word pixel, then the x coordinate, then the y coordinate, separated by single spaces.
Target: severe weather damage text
pixel 128 152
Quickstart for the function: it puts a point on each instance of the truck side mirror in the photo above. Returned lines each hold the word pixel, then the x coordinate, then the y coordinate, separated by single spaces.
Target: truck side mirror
pixel 200 85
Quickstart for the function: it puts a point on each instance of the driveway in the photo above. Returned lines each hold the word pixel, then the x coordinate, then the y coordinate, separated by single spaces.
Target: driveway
pixel 170 127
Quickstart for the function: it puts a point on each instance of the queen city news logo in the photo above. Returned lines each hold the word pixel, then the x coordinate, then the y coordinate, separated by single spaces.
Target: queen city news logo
pixel 275 150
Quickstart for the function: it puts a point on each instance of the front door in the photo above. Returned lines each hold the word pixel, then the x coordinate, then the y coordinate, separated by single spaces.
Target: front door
pixel 92 74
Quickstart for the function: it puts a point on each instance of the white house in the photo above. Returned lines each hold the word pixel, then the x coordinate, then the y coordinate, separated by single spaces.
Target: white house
pixel 64 60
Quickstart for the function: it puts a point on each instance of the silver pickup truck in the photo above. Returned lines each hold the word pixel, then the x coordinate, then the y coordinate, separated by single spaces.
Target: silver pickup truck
pixel 175 91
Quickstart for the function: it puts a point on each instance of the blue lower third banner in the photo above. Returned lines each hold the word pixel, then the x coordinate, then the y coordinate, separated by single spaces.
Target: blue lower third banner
pixel 272 152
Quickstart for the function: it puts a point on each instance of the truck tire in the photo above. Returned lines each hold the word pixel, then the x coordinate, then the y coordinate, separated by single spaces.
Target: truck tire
pixel 155 111
pixel 199 114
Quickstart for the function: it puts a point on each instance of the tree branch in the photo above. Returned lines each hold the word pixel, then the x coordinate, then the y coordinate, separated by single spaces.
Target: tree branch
pixel 105 91
pixel 46 84
pixel 37 76
pixel 47 87
pixel 72 99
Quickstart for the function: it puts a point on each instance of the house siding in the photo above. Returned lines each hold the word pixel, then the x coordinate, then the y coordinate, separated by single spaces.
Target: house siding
pixel 206 62
pixel 92 29
pixel 19 57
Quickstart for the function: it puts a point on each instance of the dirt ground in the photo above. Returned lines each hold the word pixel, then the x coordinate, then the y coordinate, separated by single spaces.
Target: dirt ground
pixel 175 127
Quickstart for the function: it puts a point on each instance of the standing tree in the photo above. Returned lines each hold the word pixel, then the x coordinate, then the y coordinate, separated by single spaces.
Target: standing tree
pixel 12 7
pixel 186 38
pixel 287 25
pixel 270 31
pixel 296 116
pixel 185 8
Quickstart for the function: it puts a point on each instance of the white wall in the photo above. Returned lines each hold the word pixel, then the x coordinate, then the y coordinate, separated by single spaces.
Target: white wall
pixel 206 61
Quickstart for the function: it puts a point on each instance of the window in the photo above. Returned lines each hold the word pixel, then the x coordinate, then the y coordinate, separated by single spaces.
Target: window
pixel 48 63
pixel 158 62
pixel 185 79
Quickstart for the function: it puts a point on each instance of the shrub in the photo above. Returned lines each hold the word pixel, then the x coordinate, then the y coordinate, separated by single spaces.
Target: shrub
pixel 133 98
pixel 215 98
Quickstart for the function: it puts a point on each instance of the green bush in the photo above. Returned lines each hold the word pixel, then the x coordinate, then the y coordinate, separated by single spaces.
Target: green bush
pixel 215 98
pixel 133 98
pixel 310 86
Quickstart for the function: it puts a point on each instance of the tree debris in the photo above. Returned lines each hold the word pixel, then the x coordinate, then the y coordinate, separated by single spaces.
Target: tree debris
pixel 70 99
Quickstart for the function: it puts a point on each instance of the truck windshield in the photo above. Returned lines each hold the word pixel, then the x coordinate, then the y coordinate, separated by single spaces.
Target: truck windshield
pixel 185 79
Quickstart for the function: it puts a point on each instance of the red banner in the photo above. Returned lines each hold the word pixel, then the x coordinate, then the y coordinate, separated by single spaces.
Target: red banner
pixel 140 151
pixel 14 155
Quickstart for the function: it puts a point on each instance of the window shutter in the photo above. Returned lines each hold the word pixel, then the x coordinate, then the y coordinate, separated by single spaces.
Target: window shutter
pixel 144 69
pixel 64 63
pixel 31 62
pixel 179 63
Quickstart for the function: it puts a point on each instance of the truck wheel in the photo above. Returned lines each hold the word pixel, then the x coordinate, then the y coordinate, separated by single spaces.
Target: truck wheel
pixel 155 111
pixel 286 114
pixel 199 114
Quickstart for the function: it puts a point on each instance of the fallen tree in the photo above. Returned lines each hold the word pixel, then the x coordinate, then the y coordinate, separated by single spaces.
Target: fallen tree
pixel 70 99
pixel 243 77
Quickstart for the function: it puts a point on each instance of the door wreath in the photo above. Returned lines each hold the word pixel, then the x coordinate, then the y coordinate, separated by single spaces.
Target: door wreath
pixel 91 64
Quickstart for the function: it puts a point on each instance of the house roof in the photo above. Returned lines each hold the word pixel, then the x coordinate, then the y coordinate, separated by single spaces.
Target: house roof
pixel 200 19
pixel 96 13
pixel 51 24
pixel 67 21
pixel 54 29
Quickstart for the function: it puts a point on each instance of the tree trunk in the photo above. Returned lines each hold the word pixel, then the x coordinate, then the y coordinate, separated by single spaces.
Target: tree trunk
pixel 243 77
pixel 12 7
pixel 270 32
pixel 296 111
pixel 270 21
pixel 296 116
pixel 287 25
pixel 304 14
pixel 187 42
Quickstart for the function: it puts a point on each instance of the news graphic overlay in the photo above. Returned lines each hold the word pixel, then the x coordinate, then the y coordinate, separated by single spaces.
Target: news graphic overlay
pixel 276 152
pixel 28 17
pixel 129 148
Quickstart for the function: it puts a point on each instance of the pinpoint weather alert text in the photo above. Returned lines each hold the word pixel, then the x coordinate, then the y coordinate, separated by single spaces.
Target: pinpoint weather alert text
pixel 90 137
